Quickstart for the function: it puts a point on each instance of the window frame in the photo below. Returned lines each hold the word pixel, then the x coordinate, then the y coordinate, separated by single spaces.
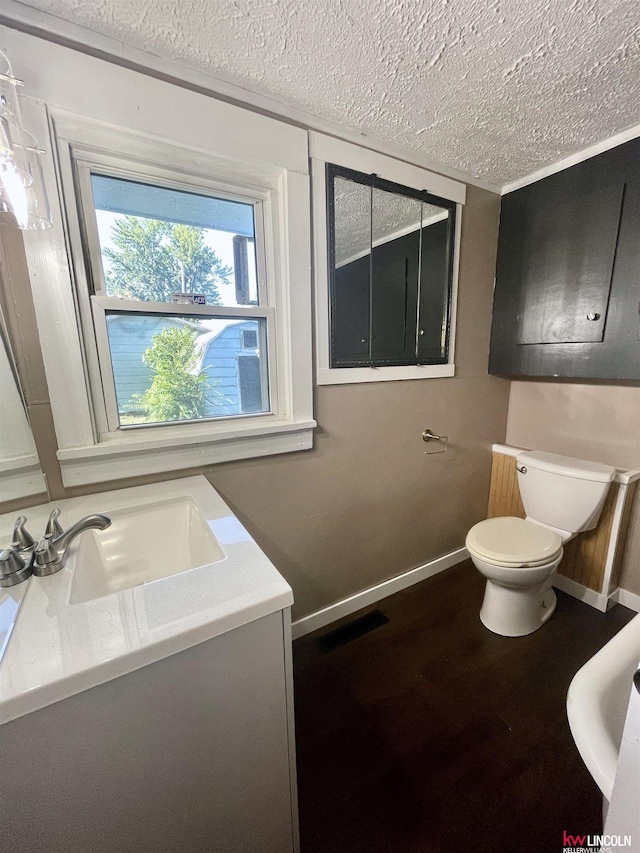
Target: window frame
pixel 86 162
pixel 325 150
pixel 87 450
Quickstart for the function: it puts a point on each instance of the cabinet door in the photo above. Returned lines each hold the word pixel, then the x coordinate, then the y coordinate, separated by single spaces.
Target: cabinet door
pixel 567 267
pixel 190 753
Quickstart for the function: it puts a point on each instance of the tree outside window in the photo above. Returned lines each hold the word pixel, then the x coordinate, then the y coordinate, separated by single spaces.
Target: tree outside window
pixel 153 259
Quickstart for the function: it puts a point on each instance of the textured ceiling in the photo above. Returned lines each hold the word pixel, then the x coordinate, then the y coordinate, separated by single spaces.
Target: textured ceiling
pixel 496 88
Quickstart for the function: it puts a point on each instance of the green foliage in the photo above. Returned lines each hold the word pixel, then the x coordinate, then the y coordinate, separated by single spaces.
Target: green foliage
pixel 178 392
pixel 153 259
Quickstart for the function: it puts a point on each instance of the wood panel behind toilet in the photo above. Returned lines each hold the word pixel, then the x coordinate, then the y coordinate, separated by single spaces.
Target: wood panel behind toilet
pixel 585 556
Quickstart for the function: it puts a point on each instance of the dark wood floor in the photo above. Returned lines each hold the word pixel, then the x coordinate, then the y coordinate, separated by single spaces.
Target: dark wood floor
pixel 432 735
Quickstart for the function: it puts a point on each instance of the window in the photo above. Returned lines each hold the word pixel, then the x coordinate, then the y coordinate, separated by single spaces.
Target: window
pixel 171 260
pixel 387 242
pixel 249 385
pixel 164 262
pixel 249 339
pixel 390 264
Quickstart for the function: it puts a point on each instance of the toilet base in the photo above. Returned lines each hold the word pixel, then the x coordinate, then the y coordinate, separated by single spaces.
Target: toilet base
pixel 516 612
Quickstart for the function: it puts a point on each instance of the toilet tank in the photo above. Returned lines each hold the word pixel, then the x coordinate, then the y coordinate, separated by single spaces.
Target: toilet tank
pixel 562 492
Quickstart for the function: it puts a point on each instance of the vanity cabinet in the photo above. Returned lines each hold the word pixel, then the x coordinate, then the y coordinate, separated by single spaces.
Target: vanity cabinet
pixel 191 753
pixel 567 291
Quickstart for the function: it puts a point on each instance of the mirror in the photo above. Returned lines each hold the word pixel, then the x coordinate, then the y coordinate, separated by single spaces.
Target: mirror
pixel 390 260
pixel 20 473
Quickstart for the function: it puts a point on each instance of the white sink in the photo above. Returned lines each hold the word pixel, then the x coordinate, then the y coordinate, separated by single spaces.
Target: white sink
pixel 175 569
pixel 144 543
pixel 597 703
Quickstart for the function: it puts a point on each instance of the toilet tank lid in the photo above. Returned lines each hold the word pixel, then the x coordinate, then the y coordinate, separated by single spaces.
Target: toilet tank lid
pixel 580 469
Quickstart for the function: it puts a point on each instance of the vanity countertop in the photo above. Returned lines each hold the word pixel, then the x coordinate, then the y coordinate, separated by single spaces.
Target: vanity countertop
pixel 51 649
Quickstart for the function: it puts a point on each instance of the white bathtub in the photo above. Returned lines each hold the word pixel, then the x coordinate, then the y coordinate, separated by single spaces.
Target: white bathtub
pixel 597 703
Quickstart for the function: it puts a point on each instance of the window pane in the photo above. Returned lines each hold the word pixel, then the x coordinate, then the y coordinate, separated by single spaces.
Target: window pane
pixel 168 368
pixel 164 245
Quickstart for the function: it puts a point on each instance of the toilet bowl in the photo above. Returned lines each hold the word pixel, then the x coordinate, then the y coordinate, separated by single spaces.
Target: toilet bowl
pixel 519 556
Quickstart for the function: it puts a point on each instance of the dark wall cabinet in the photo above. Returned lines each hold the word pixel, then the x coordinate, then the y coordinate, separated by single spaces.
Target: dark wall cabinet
pixel 567 297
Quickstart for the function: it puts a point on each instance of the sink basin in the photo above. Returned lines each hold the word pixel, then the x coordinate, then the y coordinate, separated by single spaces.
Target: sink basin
pixel 597 703
pixel 143 544
pixel 175 569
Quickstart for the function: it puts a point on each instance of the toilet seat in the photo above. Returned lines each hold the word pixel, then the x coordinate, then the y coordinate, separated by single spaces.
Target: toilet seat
pixel 513 542
pixel 506 564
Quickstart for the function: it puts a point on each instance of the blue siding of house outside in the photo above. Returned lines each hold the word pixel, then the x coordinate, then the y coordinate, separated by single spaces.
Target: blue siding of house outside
pixel 220 362
pixel 129 337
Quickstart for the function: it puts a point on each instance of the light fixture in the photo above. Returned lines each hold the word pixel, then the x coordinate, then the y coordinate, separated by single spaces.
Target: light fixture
pixel 23 196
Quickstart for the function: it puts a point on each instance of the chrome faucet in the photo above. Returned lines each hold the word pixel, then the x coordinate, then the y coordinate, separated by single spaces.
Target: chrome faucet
pixel 52 550
pixel 96 521
pixel 26 557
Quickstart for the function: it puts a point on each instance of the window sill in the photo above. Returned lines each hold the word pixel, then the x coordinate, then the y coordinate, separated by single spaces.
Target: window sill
pixel 136 456
pixel 352 375
pixel 21 477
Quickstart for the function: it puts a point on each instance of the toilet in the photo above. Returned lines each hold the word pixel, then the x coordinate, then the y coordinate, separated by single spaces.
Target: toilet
pixel 518 557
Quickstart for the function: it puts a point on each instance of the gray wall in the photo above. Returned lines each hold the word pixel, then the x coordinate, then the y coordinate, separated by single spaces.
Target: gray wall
pixel 367 503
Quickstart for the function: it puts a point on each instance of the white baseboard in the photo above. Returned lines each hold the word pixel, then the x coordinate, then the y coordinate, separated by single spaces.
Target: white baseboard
pixel 626 598
pixel 382 590
pixel 375 593
pixel 597 599
pixel 582 593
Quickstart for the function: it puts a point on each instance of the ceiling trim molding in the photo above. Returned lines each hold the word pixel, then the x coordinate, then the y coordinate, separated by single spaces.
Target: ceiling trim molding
pixel 16 15
pixel 566 162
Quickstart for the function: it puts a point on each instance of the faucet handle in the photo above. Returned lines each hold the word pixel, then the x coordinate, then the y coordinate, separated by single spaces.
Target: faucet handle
pixel 10 562
pixel 13 569
pixel 53 528
pixel 46 559
pixel 22 539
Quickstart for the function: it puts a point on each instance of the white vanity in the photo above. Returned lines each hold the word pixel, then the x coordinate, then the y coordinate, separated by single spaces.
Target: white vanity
pixel 146 688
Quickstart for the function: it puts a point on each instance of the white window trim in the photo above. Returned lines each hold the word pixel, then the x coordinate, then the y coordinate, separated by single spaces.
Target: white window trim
pixel 327 149
pixel 88 452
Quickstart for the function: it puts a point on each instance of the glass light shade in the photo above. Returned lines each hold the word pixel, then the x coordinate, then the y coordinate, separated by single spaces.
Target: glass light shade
pixel 12 142
pixel 23 197
pixel 25 207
